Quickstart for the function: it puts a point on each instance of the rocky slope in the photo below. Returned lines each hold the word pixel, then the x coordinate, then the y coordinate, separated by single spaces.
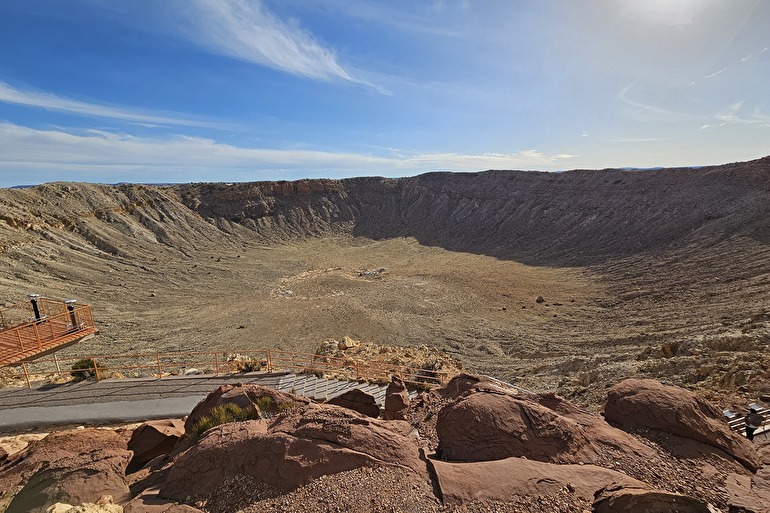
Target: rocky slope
pixel 470 445
pixel 661 273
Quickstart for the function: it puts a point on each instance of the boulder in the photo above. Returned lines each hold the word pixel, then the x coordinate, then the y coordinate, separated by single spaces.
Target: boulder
pixel 643 500
pixel 296 447
pixel 396 400
pixel 73 467
pixel 357 400
pixel 153 439
pixel 246 396
pixel 347 343
pixel 648 404
pixel 484 426
pixel 457 386
pixel 501 479
pixel 149 502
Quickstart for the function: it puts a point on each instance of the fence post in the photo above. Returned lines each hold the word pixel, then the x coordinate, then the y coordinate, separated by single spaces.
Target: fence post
pixel 269 363
pixel 26 375
pixel 216 362
pixel 56 362
pixel 37 335
pixel 96 368
pixel 157 362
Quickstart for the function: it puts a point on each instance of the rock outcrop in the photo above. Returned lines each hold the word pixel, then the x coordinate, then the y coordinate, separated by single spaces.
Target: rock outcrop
pixel 152 439
pixel 72 467
pixel 396 399
pixel 357 400
pixel 648 404
pixel 296 447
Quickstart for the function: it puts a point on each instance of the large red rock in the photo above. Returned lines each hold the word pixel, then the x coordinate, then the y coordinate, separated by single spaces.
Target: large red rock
pixel 296 447
pixel 396 400
pixel 637 500
pixel 502 479
pixel 484 426
pixel 246 396
pixel 73 467
pixel 648 404
pixel 152 439
pixel 357 400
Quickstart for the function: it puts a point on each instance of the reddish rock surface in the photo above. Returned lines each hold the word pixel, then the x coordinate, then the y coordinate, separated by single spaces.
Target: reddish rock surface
pixel 243 395
pixel 357 400
pixel 636 500
pixel 153 439
pixel 646 403
pixel 487 426
pixel 502 479
pixel 396 400
pixel 298 446
pixel 73 467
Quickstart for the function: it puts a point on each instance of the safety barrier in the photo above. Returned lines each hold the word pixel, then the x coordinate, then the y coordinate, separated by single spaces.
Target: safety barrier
pixel 54 324
pixel 161 365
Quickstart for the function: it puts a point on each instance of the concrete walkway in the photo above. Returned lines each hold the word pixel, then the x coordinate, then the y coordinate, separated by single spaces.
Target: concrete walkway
pixel 113 401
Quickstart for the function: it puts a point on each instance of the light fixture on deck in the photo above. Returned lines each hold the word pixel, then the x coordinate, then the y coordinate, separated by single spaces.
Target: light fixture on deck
pixel 33 299
pixel 71 309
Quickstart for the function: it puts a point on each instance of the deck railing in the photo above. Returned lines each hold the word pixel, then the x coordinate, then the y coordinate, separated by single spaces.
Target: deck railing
pixel 56 326
pixel 162 365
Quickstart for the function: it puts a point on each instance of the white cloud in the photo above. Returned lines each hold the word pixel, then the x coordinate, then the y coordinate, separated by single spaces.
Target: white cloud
pixel 643 111
pixel 48 101
pixel 735 115
pixel 31 149
pixel 247 30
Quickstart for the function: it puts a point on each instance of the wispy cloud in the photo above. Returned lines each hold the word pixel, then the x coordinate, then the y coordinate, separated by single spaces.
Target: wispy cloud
pixel 736 114
pixel 248 30
pixel 718 72
pixel 32 149
pixel 48 101
pixel 643 111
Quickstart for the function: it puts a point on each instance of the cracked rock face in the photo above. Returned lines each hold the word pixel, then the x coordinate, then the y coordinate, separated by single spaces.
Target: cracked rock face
pixel 297 447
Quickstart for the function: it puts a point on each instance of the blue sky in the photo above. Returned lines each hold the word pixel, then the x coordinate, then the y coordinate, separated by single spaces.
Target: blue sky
pixel 237 90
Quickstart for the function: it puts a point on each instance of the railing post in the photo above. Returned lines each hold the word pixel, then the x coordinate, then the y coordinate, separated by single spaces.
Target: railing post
pixel 96 368
pixel 216 362
pixel 269 363
pixel 26 375
pixel 157 362
pixel 37 336
pixel 56 362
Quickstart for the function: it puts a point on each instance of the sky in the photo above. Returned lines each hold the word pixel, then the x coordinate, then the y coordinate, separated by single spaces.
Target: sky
pixel 171 91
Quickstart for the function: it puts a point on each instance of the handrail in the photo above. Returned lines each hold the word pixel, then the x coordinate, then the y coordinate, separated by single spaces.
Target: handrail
pixel 161 365
pixel 51 330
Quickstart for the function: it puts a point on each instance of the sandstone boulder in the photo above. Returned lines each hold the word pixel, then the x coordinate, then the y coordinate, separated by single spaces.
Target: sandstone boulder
pixel 486 426
pixel 149 502
pixel 501 479
pixel 648 404
pixel 246 396
pixel 347 343
pixel 457 386
pixel 295 448
pixel 153 439
pixel 73 467
pixel 396 400
pixel 642 500
pixel 357 400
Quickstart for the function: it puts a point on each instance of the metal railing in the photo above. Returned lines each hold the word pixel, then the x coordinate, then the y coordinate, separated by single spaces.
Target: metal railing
pixel 55 326
pixel 162 365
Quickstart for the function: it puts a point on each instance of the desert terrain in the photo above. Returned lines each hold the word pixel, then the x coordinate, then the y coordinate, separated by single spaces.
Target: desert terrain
pixel 656 273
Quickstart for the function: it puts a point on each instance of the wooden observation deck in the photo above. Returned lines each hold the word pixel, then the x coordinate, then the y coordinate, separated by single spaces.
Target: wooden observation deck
pixel 30 330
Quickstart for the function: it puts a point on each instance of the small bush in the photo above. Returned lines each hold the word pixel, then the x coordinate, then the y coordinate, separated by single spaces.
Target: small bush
pixel 219 415
pixel 264 403
pixel 86 368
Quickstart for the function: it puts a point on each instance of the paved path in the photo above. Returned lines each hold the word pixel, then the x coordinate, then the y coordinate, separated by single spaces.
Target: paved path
pixel 127 400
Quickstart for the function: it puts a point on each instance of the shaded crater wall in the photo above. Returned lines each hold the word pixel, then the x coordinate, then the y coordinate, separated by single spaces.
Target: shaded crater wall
pixel 572 218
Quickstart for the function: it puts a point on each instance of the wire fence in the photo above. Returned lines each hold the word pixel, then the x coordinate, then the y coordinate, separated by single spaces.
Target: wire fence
pixel 163 365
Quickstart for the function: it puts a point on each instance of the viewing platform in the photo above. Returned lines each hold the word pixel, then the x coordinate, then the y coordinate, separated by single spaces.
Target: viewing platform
pixel 33 329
